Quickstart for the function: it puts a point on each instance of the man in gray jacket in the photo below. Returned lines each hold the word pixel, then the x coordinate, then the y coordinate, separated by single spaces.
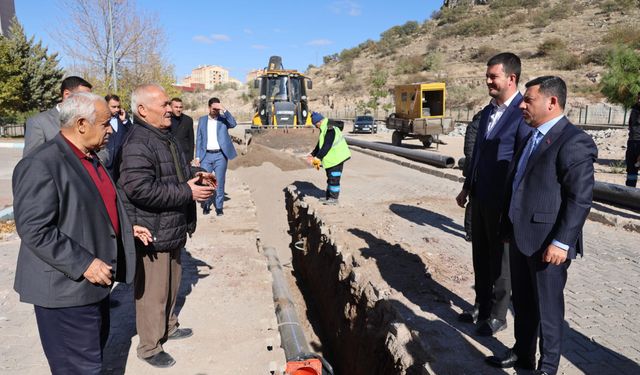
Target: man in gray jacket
pixel 46 125
pixel 76 238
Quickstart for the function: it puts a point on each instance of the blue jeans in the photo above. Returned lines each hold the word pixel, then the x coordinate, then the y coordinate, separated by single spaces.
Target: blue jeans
pixel 216 162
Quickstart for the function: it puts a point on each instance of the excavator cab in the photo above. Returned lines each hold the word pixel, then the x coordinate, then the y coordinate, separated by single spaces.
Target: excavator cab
pixel 282 100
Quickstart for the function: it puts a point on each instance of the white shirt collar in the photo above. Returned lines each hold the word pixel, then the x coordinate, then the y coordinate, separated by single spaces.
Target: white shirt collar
pixel 506 102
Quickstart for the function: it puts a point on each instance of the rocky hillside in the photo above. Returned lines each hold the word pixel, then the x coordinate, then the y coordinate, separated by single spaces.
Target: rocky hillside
pixel 567 38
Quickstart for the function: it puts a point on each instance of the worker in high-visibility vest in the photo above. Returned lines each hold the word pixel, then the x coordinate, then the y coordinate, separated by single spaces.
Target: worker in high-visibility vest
pixel 331 152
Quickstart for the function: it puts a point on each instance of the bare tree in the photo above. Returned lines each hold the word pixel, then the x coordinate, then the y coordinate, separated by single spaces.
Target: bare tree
pixel 138 42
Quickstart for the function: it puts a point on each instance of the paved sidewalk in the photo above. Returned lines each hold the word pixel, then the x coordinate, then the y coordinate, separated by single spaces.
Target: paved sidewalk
pixel 225 297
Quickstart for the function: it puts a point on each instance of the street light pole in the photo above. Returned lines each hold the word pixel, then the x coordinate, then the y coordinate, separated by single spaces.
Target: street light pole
pixel 114 78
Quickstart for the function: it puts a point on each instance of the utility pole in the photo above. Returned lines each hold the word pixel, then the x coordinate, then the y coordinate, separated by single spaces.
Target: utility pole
pixel 114 79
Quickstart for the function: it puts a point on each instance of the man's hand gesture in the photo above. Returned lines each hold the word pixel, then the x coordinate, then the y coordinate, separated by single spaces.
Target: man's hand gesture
pixel 98 273
pixel 199 193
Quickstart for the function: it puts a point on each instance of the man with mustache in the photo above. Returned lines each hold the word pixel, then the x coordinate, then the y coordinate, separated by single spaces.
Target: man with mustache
pixel 76 237
pixel 500 129
pixel 549 195
pixel 161 190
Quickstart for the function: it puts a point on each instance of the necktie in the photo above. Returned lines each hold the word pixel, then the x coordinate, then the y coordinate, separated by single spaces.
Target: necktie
pixel 522 163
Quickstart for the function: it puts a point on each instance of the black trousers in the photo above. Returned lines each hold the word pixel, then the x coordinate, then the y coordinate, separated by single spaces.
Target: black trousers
pixel 467 221
pixel 490 262
pixel 333 181
pixel 631 158
pixel 73 337
pixel 538 304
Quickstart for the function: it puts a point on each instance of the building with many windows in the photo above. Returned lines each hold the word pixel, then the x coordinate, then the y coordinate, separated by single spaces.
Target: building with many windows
pixel 207 75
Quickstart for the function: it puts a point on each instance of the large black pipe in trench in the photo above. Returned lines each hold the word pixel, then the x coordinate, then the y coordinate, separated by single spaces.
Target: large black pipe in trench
pixel 292 337
pixel 432 158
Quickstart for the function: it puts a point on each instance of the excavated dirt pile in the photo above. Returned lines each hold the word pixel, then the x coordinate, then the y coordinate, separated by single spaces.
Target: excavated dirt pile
pixel 286 149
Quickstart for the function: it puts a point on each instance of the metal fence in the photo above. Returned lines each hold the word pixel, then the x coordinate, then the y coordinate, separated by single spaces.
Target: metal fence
pixel 348 113
pixel 593 114
pixel 11 129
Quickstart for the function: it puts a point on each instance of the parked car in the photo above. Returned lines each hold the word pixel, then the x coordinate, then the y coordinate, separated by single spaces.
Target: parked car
pixel 365 124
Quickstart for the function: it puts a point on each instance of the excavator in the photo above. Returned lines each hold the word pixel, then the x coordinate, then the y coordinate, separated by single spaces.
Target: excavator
pixel 282 98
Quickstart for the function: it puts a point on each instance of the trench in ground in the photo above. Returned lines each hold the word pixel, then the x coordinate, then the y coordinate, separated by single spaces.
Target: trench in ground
pixel 346 319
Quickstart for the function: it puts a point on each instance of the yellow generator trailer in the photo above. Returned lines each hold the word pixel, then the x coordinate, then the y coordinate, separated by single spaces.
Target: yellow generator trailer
pixel 282 97
pixel 419 113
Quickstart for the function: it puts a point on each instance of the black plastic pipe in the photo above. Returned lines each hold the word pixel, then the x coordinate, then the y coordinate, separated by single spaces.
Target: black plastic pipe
pixel 427 157
pixel 292 337
pixel 293 341
pixel 624 196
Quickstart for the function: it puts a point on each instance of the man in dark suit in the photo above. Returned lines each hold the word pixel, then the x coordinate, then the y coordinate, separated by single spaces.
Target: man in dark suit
pixel 549 197
pixel 76 237
pixel 46 125
pixel 500 129
pixel 182 129
pixel 632 156
pixel 120 125
pixel 469 142
pixel 214 149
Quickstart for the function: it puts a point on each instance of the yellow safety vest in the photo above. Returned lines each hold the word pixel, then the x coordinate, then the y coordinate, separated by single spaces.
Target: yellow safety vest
pixel 338 152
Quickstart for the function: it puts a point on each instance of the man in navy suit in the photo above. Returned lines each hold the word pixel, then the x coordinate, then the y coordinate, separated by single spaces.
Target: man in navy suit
pixel 120 125
pixel 501 128
pixel 214 149
pixel 549 191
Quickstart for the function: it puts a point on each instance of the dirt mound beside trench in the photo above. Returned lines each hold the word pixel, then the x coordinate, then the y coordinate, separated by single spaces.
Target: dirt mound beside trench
pixel 283 148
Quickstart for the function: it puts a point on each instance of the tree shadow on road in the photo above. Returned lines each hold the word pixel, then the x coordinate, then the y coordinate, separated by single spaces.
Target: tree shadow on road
pixel 406 273
pixel 422 216
pixel 123 315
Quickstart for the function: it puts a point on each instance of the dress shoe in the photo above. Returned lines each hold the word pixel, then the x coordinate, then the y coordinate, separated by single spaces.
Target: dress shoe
pixel 180 333
pixel 469 316
pixel 160 360
pixel 219 212
pixel 509 360
pixel 491 326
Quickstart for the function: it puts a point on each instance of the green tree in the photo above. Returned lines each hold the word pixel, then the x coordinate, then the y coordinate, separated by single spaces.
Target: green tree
pixel 621 82
pixel 378 81
pixel 11 79
pixel 39 74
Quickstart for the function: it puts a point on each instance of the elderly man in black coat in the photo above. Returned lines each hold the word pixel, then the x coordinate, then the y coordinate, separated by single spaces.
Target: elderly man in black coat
pixel 161 190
